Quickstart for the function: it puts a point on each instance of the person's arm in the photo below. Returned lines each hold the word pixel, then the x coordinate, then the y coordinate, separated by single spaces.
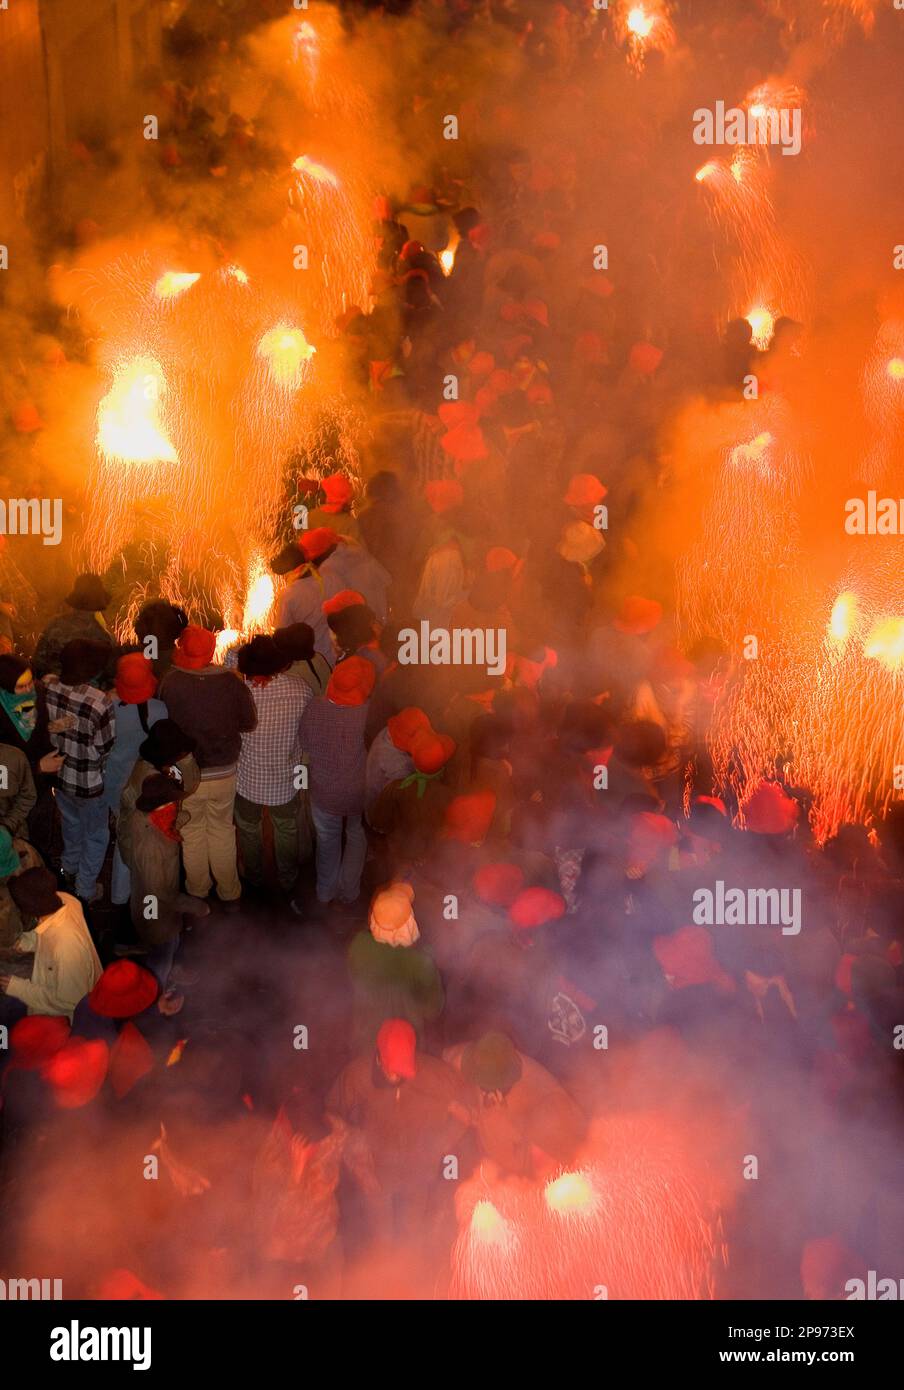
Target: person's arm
pixel 18 771
pixel 71 984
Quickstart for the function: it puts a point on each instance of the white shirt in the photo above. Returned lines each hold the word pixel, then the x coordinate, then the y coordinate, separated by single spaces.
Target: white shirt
pixel 66 964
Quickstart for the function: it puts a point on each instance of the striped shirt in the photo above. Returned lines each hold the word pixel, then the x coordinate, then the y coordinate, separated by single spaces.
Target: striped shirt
pixel 271 752
pixel 88 737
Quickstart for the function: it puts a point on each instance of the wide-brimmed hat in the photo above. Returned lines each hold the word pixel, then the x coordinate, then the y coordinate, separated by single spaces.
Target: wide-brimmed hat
pixel 88 593
pixel 492 1063
pixel 123 990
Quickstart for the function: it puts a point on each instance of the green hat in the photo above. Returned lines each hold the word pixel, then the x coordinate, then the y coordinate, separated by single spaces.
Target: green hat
pixel 9 859
pixel 492 1063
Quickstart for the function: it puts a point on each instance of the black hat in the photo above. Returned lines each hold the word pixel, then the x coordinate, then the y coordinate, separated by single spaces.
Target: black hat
pixel 160 619
pixel 288 559
pixel 88 593
pixel 262 656
pixel 81 660
pixel 35 892
pixel 166 744
pixel 158 790
pixel 296 640
pixel 12 669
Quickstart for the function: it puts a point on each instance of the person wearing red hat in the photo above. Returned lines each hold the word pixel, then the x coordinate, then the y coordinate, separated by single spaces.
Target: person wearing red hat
pixel 411 1111
pixel 335 511
pixel 470 816
pixel 123 990
pixel 135 711
pixel 389 756
pixel 769 810
pixel 584 495
pixel 66 965
pixel 410 810
pixel 330 565
pixel 332 736
pixel 214 708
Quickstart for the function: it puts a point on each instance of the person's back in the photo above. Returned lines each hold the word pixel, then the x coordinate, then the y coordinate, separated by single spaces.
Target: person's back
pixel 66 965
pixel 333 738
pixel 214 707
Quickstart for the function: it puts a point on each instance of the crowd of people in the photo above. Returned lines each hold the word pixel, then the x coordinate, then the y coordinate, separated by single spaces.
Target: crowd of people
pixel 309 918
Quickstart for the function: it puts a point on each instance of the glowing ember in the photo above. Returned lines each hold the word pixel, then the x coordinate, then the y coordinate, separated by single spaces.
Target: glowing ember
pixel 176 1052
pixel 236 273
pixel 173 283
pixel 287 352
pixel 225 639
pixel 706 171
pixel 895 369
pixel 885 643
pixel 128 417
pixel 762 323
pixel 318 172
pixel 571 1193
pixel 260 598
pixel 844 616
pixel 447 258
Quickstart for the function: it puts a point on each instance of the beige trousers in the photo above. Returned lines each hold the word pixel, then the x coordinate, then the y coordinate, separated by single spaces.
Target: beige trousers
pixel 208 840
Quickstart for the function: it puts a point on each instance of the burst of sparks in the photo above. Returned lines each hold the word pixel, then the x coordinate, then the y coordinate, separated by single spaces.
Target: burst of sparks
pixel 762 322
pixel 885 643
pixel 318 173
pixel 175 282
pixel 571 1194
pixel 287 352
pixel 128 418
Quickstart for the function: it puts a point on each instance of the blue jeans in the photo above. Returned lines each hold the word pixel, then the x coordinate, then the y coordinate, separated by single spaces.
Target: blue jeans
pixel 338 873
pixel 86 834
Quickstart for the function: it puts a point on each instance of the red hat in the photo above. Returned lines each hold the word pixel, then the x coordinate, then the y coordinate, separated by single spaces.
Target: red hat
pixel 584 490
pixel 465 444
pixel 77 1071
pixel 502 382
pixel 481 364
pixel 135 679
pixel 500 558
pixel 498 884
pixel 638 615
pixel 715 801
pixel 644 358
pixel 431 751
pixel 406 725
pixel 453 413
pixel 122 1285
pixel 338 492
pixel 195 648
pixel 130 1060
pixel 36 1038
pixel 397 1047
pixel 346 598
pixel 770 810
pixel 444 494
pixel 318 542
pixel 650 835
pixel 352 681
pixel 27 418
pixel 411 249
pixel 686 956
pixel 123 990
pixel 533 907
pixel 469 817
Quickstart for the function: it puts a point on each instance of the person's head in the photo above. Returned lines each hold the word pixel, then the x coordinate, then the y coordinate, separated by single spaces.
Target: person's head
pixel 465 220
pixel 492 1064
pixel 164 621
pixel 397 1050
pixel 166 744
pixel 318 545
pixel 352 627
pixel 738 333
pixel 262 658
pixel 352 681
pixel 157 790
pixel 296 641
pixel 15 674
pixel 384 486
pixel 35 893
pixel 135 680
pixel 195 648
pixel 88 594
pixel 82 661
pixel 640 743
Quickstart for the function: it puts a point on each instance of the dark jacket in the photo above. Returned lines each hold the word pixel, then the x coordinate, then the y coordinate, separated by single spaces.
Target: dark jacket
pixel 215 707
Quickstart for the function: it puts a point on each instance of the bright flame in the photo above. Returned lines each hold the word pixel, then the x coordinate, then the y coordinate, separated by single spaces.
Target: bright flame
pixel 895 369
pixel 706 171
pixel 225 639
pixel 486 1222
pixel 844 615
pixel 572 1192
pixel 174 282
pixel 128 417
pixel 287 351
pixel 737 168
pixel 447 257
pixel 763 323
pixel 885 643
pixel 318 172
pixel 237 273
pixel 176 1053
pixel 639 22
pixel 259 599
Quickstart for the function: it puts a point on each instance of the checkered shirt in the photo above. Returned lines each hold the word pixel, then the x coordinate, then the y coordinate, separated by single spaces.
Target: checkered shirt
pixel 86 744
pixel 271 752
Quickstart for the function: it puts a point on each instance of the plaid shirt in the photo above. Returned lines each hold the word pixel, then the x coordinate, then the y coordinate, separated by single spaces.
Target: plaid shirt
pixel 88 739
pixel 333 738
pixel 272 750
